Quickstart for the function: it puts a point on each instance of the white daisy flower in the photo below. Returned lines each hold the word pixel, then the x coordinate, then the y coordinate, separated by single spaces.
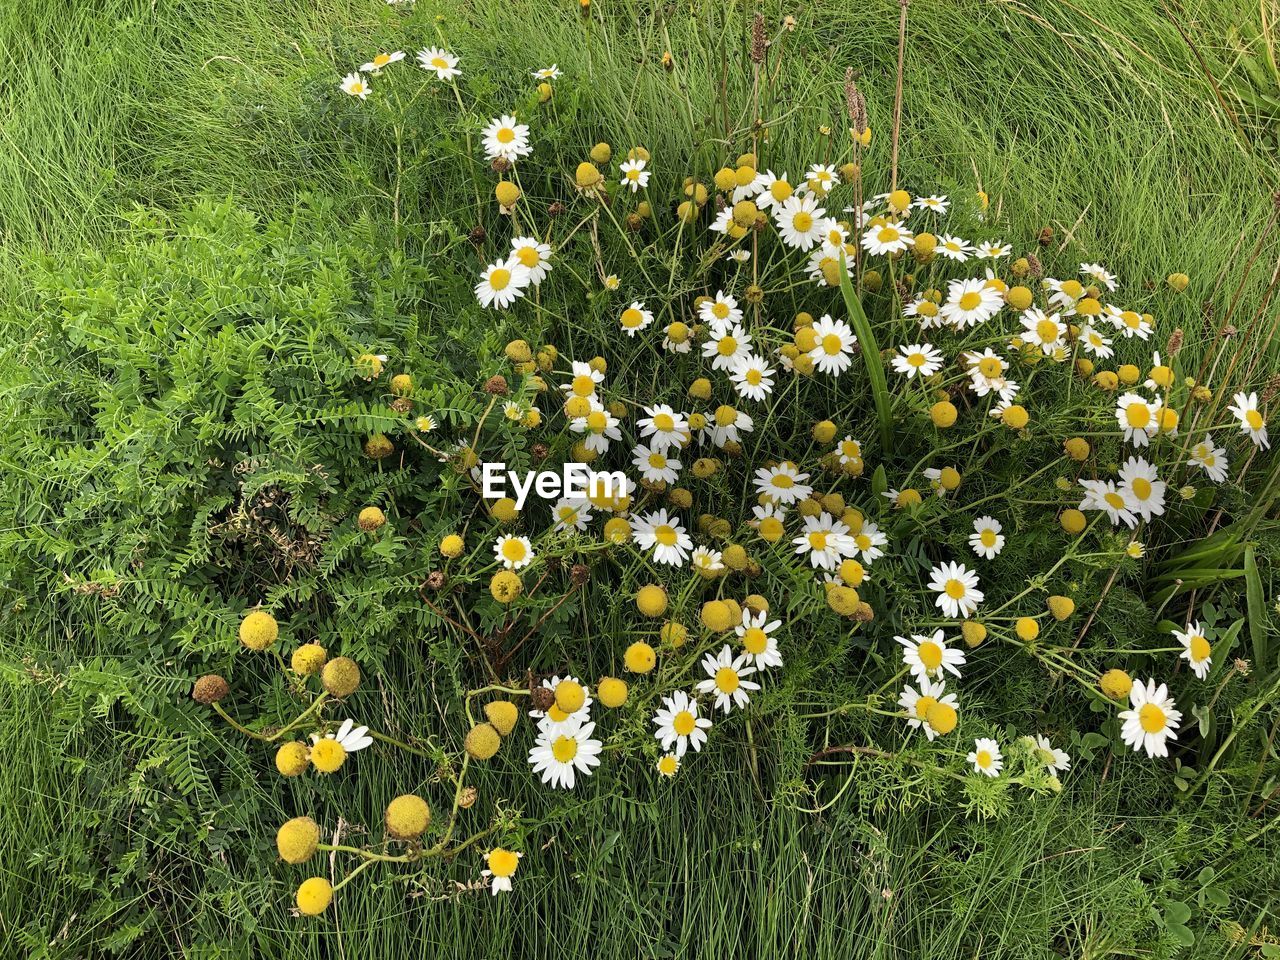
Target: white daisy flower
pixel 738 256
pixel 512 552
pixel 992 250
pixel 826 541
pixel 1212 460
pixel 772 189
pixel 1050 756
pixel 635 318
pixel 869 542
pixel 664 535
pixel 834 352
pixel 752 377
pixel 934 204
pixel 917 703
pixel 599 427
pixel 668 765
pixel 1129 322
pixel 986 757
pixel 1252 424
pixel 799 221
pixel 758 643
pixel 560 756
pixel 726 344
pixel 969 303
pixel 500 866
pixel 440 62
pixel 664 427
pixel 1095 343
pixel 1043 330
pixel 679 725
pixel 634 174
pixel 1196 649
pixel 706 560
pixel 1116 502
pixel 834 237
pixel 784 483
pixel 552 72
pixel 348 736
pixel 987 374
pixel 728 425
pixel 954 248
pixel 987 540
pixel 1144 489
pixel 571 513
pixel 957 587
pixel 848 449
pixel 721 310
pixel 382 60
pixel 726 679
pixel 929 657
pixel 506 138
pixel 1138 417
pixel 355 85
pixel 1098 274
pixel 502 283
pixel 721 223
pixel 654 464
pixel 555 720
pixel 534 255
pixel 824 259
pixel 1152 719
pixel 886 238
pixel 918 358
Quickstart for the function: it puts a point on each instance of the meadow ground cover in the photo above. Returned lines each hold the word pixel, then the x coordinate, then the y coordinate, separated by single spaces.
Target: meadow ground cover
pixel 936 614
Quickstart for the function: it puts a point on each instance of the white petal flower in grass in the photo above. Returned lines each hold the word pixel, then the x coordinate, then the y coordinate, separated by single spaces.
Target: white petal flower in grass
pixel 1212 460
pixel 351 737
pixel 1095 343
pixel 552 72
pixel 986 757
pixel 706 560
pixel 726 344
pixel 935 204
pixel 1139 418
pixel 721 223
pixel 834 352
pixel 738 256
pixel 635 318
pixel 925 311
pixel 1129 322
pixel 668 765
pixel 918 358
pixel 883 239
pixel 987 540
pixel 502 283
pixel 500 866
pixel 728 425
pixel 726 679
pixel 870 543
pixel 1151 720
pixel 1097 273
pixel 954 248
pixel 752 377
pixel 1116 502
pixel 957 588
pixel 1252 424
pixel 654 464
pixel 969 303
pixel 773 189
pixel 759 645
pixel 571 513
pixel 1043 330
pixel 1196 649
pixel 917 704
pixel 513 553
pixel 826 541
pixel 722 310
pixel 534 255
pixel 506 138
pixel 783 482
pixel 1050 756
pixel 663 427
pixel 664 535
pixel 599 428
pixel 992 250
pixel 834 236
pixel 799 221
pixel 382 60
pixel 554 719
pixel 928 656
pixel 561 756
pixel 679 726
pixel 987 374
pixel 440 62
pixel 821 178
pixel 634 175
pixel 1139 482
pixel 824 265
pixel 848 449
pixel 355 85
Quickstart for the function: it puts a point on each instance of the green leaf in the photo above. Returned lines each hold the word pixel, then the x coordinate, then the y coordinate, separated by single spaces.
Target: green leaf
pixel 871 356
pixel 1257 614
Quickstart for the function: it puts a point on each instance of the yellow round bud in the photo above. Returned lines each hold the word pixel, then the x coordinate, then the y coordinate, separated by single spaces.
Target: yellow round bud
pixel 408 817
pixel 943 414
pixel 259 630
pixel 292 758
pixel 505 586
pixel 313 896
pixel 586 176
pixel 452 546
pixel 1107 380
pixel 973 632
pixel 1179 281
pixel 824 431
pixel 1061 607
pixel 673 633
pixel 601 153
pixel 949 478
pixel 899 201
pixel 340 677
pixel 843 600
pixel 1027 628
pixel 942 718
pixel 370 519
pixel 700 389
pixel 1077 449
pixel 482 741
pixel 570 696
pixel 652 600
pixel 502 715
pixel 612 692
pixel 617 530
pixel 725 179
pixel 640 657
pixel 1128 373
pixel 308 659
pixel 1015 415
pixel 1018 297
pixel 1072 521
pixel 1115 684
pixel 717 616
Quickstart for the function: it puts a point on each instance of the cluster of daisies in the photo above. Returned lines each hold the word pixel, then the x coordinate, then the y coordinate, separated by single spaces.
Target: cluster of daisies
pixel 442 64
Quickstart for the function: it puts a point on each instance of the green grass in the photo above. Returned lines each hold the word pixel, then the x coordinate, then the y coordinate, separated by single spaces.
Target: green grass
pixel 1093 119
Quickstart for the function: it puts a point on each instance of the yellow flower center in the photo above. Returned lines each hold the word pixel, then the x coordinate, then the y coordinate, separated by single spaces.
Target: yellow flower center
pixel 1114 500
pixel 780 190
pixel 727 346
pixel 1131 320
pixel 631 318
pixel 1200 649
pixel 802 222
pixel 668 765
pixel 1137 415
pixel 726 416
pixel 583 385
pixel 818 540
pixel 597 421
pixel 923 705
pixel 755 641
pixel 556 714
pixel 529 256
pixel 984 758
pixel 502 863
pixel 970 300
pixel 665 534
pixel 499 279
pixel 863 541
pixel 683 723
pixel 754 377
pixel 987 537
pixel 513 550
pixel 850 448
pixel 917 360
pixel 831 344
pixel 1152 718
pixel 727 680
pixel 720 310
pixel 955 589
pixel 657 460
pixel 1047 330
pixel 930 655
pixel 564 749
pixel 783 480
pixel 664 422
pixel 440 63
pixel 1254 419
pixel 382 59
pixel 506 135
pixel 888 235
pixel 1141 487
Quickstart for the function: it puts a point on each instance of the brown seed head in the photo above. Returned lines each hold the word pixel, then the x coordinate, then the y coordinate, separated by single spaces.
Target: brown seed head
pixel 210 689
pixel 579 573
pixel 497 385
pixel 435 579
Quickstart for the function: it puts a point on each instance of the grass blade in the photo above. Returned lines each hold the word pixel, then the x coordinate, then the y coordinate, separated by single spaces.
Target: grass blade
pixel 871 356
